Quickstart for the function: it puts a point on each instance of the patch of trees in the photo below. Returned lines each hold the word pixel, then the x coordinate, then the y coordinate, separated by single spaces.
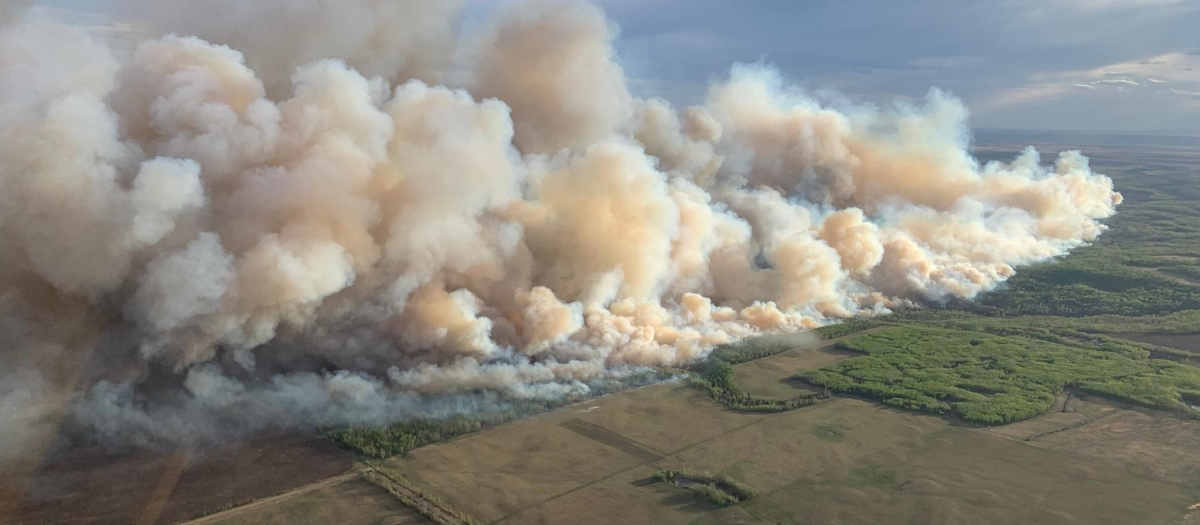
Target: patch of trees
pixel 989 379
pixel 427 505
pixel 1081 300
pixel 382 441
pixel 717 488
pixel 760 347
pixel 718 383
pixel 748 350
pixel 845 328
pixel 398 438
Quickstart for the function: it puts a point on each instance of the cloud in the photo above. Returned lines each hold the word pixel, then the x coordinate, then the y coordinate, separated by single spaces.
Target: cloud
pixel 1114 5
pixel 1184 93
pixel 1160 69
pixel 1176 67
pixel 1018 95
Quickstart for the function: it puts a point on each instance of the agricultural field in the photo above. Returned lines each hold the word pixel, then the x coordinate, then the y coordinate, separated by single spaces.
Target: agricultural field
pixel 89 486
pixel 348 500
pixel 845 461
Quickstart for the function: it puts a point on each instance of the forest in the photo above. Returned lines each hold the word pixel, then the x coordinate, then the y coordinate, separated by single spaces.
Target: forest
pixel 990 379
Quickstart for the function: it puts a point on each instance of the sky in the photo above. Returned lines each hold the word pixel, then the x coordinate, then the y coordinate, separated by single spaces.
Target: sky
pixel 1103 65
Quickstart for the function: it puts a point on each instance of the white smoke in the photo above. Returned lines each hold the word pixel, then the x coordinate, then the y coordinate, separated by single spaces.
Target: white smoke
pixel 359 243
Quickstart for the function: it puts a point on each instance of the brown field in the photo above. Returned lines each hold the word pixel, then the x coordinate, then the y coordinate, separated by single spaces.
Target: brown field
pixel 845 461
pixel 1156 446
pixel 771 376
pixel 508 469
pixel 1069 411
pixel 1189 342
pixel 90 487
pixel 349 500
pixel 964 476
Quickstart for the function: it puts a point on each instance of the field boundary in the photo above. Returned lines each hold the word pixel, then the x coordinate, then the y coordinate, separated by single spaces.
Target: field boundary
pixel 222 514
pixel 612 439
pixel 606 477
pixel 1072 426
pixel 412 497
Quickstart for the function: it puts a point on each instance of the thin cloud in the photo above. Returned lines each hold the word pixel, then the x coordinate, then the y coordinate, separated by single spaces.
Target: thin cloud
pixel 1183 93
pixel 1018 95
pixel 1170 67
pixel 1052 86
pixel 1106 5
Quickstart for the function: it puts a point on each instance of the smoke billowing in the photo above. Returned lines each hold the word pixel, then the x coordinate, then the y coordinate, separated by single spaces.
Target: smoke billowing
pixel 354 212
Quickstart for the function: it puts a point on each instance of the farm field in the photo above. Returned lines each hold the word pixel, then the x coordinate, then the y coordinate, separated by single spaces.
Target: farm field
pixel 349 500
pixel 1187 342
pixel 844 461
pixel 89 487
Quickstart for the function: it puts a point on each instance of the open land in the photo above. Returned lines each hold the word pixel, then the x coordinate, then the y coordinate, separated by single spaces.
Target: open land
pixel 86 486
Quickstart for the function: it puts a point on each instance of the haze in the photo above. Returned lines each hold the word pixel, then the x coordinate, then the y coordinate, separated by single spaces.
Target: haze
pixel 1113 65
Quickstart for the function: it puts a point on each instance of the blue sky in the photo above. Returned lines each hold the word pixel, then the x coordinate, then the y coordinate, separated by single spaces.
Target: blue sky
pixel 1126 65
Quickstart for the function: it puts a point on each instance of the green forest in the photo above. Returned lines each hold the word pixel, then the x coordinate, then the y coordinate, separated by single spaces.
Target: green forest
pixel 989 379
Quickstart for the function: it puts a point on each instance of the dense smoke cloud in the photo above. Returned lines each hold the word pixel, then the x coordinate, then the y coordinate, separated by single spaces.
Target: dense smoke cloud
pixel 197 240
pixel 10 10
pixel 394 40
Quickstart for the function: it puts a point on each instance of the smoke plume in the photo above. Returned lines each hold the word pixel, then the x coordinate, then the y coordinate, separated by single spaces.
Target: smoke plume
pixel 298 218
